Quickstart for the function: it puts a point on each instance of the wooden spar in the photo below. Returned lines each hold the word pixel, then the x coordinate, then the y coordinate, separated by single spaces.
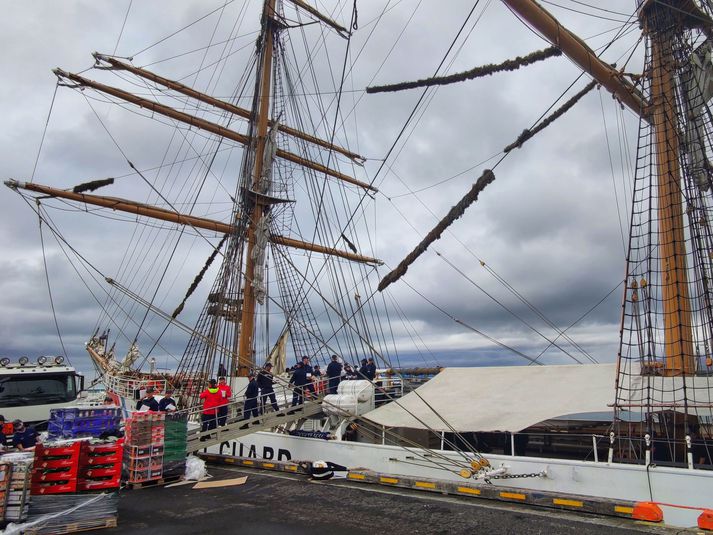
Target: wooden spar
pixel 155 212
pixel 231 108
pixel 297 244
pixel 678 334
pixel 312 11
pixel 208 126
pixel 247 318
pixel 578 51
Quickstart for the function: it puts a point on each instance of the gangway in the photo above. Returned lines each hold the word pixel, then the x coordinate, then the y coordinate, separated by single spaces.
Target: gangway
pixel 236 428
pixel 285 415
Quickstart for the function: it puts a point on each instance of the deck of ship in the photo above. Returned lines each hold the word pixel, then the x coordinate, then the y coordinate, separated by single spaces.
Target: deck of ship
pixel 278 503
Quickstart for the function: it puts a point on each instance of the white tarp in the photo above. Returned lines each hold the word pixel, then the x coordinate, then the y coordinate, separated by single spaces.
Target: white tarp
pixel 509 398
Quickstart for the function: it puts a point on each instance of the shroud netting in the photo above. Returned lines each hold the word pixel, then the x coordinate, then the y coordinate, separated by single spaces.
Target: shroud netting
pixel 665 358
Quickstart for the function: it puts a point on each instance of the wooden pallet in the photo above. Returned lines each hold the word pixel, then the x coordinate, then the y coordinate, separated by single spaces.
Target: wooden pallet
pixel 74 527
pixel 155 482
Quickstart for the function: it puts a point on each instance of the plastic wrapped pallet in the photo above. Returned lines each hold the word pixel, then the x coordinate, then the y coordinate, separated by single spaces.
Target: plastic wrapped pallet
pixel 67 513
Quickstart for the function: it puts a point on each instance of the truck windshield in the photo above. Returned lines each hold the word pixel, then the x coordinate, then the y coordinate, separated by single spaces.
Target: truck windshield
pixel 36 389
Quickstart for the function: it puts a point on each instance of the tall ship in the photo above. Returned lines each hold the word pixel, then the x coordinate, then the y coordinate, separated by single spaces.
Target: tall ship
pixel 256 238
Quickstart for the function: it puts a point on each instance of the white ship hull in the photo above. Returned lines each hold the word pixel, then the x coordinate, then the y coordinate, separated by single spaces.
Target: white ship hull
pixel 685 491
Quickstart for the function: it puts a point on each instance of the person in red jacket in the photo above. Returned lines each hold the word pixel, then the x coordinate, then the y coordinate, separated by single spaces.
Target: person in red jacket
pixel 211 397
pixel 225 395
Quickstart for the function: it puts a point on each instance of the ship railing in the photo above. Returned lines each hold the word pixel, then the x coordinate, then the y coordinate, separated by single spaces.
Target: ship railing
pixel 133 387
pixel 691 452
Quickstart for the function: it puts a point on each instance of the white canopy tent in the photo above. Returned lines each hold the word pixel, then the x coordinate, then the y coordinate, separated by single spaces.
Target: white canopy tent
pixel 501 398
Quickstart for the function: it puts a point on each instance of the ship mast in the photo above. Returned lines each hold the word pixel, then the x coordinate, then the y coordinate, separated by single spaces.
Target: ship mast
pixel 245 333
pixel 660 21
pixel 678 335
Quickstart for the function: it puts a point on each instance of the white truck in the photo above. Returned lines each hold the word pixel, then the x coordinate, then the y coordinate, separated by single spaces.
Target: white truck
pixel 29 390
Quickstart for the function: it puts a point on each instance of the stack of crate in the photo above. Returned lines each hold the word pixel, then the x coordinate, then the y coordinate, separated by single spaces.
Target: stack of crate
pixel 176 437
pixel 5 475
pixel 99 466
pixel 144 446
pixel 56 468
pixel 77 422
pixel 18 493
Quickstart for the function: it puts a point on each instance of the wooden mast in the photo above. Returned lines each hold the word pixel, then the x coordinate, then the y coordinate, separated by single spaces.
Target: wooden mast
pixel 247 320
pixel 678 334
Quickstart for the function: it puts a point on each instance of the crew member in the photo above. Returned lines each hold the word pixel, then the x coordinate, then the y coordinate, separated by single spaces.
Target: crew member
pixel 370 371
pixel 148 401
pixel 334 372
pixel 299 379
pixel 211 400
pixel 167 403
pixel 266 382
pixel 251 394
pixel 362 369
pixel 225 394
pixel 317 382
pixel 3 437
pixel 309 373
pixel 349 372
pixel 23 437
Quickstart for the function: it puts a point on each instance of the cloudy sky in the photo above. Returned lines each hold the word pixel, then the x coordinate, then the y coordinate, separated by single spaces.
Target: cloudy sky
pixel 550 226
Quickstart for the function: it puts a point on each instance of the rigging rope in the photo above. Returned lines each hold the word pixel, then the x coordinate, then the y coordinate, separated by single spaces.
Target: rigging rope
pixel 455 212
pixel 528 134
pixel 477 72
pixel 49 286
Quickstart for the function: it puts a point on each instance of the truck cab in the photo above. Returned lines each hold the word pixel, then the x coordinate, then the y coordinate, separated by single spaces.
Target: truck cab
pixel 29 390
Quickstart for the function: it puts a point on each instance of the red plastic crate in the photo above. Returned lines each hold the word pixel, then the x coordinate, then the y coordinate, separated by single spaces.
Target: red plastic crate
pixel 55 487
pixel 104 471
pixel 100 459
pixel 58 474
pixel 101 449
pixel 57 463
pixel 98 484
pixel 43 452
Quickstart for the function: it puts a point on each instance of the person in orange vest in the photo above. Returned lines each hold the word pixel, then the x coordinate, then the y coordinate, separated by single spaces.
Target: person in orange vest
pixel 211 400
pixel 225 394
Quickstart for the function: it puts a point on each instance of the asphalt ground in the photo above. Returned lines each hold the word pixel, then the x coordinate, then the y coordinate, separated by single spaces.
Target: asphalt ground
pixel 279 503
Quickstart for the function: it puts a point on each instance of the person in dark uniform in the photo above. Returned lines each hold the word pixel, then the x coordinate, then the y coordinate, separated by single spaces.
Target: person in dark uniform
pixel 167 403
pixel 251 395
pixel 361 374
pixel 266 382
pixel 299 380
pixel 23 437
pixel 309 372
pixel 334 372
pixel 700 448
pixel 370 370
pixel 307 367
pixel 3 437
pixel 148 400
